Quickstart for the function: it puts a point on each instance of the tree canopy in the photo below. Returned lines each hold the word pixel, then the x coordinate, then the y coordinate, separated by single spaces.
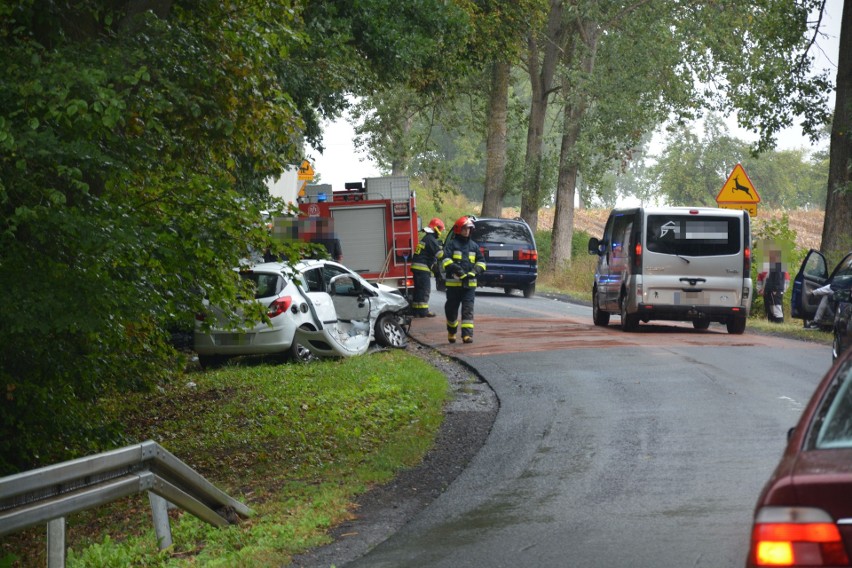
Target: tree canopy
pixel 135 138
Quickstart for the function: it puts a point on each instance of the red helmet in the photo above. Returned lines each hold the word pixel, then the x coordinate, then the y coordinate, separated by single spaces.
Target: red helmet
pixel 462 223
pixel 437 225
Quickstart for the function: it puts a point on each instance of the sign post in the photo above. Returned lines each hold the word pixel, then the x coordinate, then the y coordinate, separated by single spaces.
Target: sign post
pixel 738 192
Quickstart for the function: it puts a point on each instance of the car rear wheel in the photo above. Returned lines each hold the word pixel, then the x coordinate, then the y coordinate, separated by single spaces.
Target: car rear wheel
pixel 529 291
pixel 389 332
pixel 211 361
pixel 599 316
pixel 736 326
pixel 629 322
pixel 299 353
pixel 701 324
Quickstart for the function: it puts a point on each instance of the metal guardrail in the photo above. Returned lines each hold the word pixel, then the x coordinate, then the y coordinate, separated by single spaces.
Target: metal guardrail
pixel 48 494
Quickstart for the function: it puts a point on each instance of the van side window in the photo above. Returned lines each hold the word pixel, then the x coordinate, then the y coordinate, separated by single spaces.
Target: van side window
pixel 689 235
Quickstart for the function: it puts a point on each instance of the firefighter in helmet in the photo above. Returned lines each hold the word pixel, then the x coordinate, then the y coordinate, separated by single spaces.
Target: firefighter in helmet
pixel 462 263
pixel 428 251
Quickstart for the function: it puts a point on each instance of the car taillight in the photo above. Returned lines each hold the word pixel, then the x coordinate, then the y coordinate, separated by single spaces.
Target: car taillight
pixel 637 257
pixel 746 262
pixel 279 306
pixel 796 536
pixel 527 255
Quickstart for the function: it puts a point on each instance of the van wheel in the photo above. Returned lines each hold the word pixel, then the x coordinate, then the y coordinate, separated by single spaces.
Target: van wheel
pixel 629 322
pixel 529 291
pixel 736 326
pixel 389 332
pixel 599 316
pixel 701 324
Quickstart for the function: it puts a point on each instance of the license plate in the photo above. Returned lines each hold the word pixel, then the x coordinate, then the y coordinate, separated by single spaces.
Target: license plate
pixel 235 338
pixel 501 254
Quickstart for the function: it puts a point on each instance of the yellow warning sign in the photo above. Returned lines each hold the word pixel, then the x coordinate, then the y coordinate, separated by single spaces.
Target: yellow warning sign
pixel 306 171
pixel 738 189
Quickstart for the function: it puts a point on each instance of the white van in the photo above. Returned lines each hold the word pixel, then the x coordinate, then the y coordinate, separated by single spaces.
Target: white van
pixel 674 263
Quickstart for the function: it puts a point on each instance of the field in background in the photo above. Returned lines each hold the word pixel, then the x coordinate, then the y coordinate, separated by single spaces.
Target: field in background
pixel 807 224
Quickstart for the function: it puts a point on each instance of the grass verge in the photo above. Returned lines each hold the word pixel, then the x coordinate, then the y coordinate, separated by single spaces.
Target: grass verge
pixel 296 443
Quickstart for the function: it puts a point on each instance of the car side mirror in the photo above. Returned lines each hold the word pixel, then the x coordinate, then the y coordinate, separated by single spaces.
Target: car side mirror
pixel 344 285
pixel 595 246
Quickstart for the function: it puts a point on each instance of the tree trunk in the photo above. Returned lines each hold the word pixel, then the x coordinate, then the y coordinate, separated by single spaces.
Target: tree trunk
pixel 402 157
pixel 495 145
pixel 838 202
pixel 575 108
pixel 541 80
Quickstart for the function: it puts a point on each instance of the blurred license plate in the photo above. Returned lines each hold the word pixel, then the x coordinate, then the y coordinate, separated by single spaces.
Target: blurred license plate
pixel 235 338
pixel 501 254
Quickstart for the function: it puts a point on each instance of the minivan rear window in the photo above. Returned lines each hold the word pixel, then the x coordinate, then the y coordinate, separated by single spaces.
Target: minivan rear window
pixel 505 233
pixel 692 235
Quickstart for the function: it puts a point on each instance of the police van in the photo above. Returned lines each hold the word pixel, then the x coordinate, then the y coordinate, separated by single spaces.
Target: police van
pixel 674 263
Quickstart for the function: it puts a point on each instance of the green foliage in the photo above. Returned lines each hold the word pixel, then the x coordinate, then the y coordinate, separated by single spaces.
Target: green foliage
pixel 135 144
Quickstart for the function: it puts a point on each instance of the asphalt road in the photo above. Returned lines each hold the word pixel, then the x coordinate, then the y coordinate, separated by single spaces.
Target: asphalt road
pixel 610 449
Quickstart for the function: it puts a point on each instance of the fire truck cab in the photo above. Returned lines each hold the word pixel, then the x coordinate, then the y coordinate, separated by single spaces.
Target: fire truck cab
pixel 375 221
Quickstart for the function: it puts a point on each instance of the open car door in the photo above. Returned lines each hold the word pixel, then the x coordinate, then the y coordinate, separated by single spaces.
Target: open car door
pixel 812 274
pixel 342 319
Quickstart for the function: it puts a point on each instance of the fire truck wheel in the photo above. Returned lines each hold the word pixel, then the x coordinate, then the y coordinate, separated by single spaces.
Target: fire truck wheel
pixel 389 332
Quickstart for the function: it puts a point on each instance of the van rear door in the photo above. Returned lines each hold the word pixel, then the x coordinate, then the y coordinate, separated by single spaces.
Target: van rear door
pixel 694 258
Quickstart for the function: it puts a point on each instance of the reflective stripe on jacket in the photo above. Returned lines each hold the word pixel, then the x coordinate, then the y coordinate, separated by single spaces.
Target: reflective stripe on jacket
pixel 428 249
pixel 462 263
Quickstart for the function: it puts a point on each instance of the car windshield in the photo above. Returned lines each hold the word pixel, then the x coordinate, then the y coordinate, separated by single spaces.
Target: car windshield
pixel 832 426
pixel 266 284
pixel 689 235
pixel 507 233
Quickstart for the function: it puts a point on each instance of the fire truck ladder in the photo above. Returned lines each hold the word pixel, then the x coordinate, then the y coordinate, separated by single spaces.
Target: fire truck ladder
pixel 401 240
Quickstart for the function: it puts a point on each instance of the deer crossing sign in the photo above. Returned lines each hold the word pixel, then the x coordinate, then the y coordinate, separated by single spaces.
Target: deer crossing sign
pixel 738 192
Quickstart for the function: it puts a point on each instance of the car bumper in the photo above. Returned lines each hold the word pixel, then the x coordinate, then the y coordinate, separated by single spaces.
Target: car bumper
pixel 689 312
pixel 255 342
pixel 504 280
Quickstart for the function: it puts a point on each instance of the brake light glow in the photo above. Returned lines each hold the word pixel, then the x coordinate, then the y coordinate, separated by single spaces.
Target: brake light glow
pixel 746 261
pixel 796 536
pixel 527 255
pixel 637 256
pixel 279 306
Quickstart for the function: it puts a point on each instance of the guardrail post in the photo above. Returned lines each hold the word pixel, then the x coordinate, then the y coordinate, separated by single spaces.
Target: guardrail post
pixel 56 543
pixel 160 513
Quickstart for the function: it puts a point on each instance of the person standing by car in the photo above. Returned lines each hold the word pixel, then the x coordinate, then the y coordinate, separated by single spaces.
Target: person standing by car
pixel 462 263
pixel 428 251
pixel 772 283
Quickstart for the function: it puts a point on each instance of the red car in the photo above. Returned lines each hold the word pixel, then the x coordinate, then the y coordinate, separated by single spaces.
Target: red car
pixel 804 514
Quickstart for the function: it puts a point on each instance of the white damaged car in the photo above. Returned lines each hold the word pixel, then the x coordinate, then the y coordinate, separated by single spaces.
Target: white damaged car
pixel 315 308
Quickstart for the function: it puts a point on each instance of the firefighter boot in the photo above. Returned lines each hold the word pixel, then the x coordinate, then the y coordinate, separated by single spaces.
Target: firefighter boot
pixel 467 338
pixel 452 327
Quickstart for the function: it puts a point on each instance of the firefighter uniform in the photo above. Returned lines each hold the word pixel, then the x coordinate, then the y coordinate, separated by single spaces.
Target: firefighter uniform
pixel 462 263
pixel 428 250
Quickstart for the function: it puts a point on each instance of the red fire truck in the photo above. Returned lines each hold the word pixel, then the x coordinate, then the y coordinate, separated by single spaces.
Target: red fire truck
pixel 376 222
